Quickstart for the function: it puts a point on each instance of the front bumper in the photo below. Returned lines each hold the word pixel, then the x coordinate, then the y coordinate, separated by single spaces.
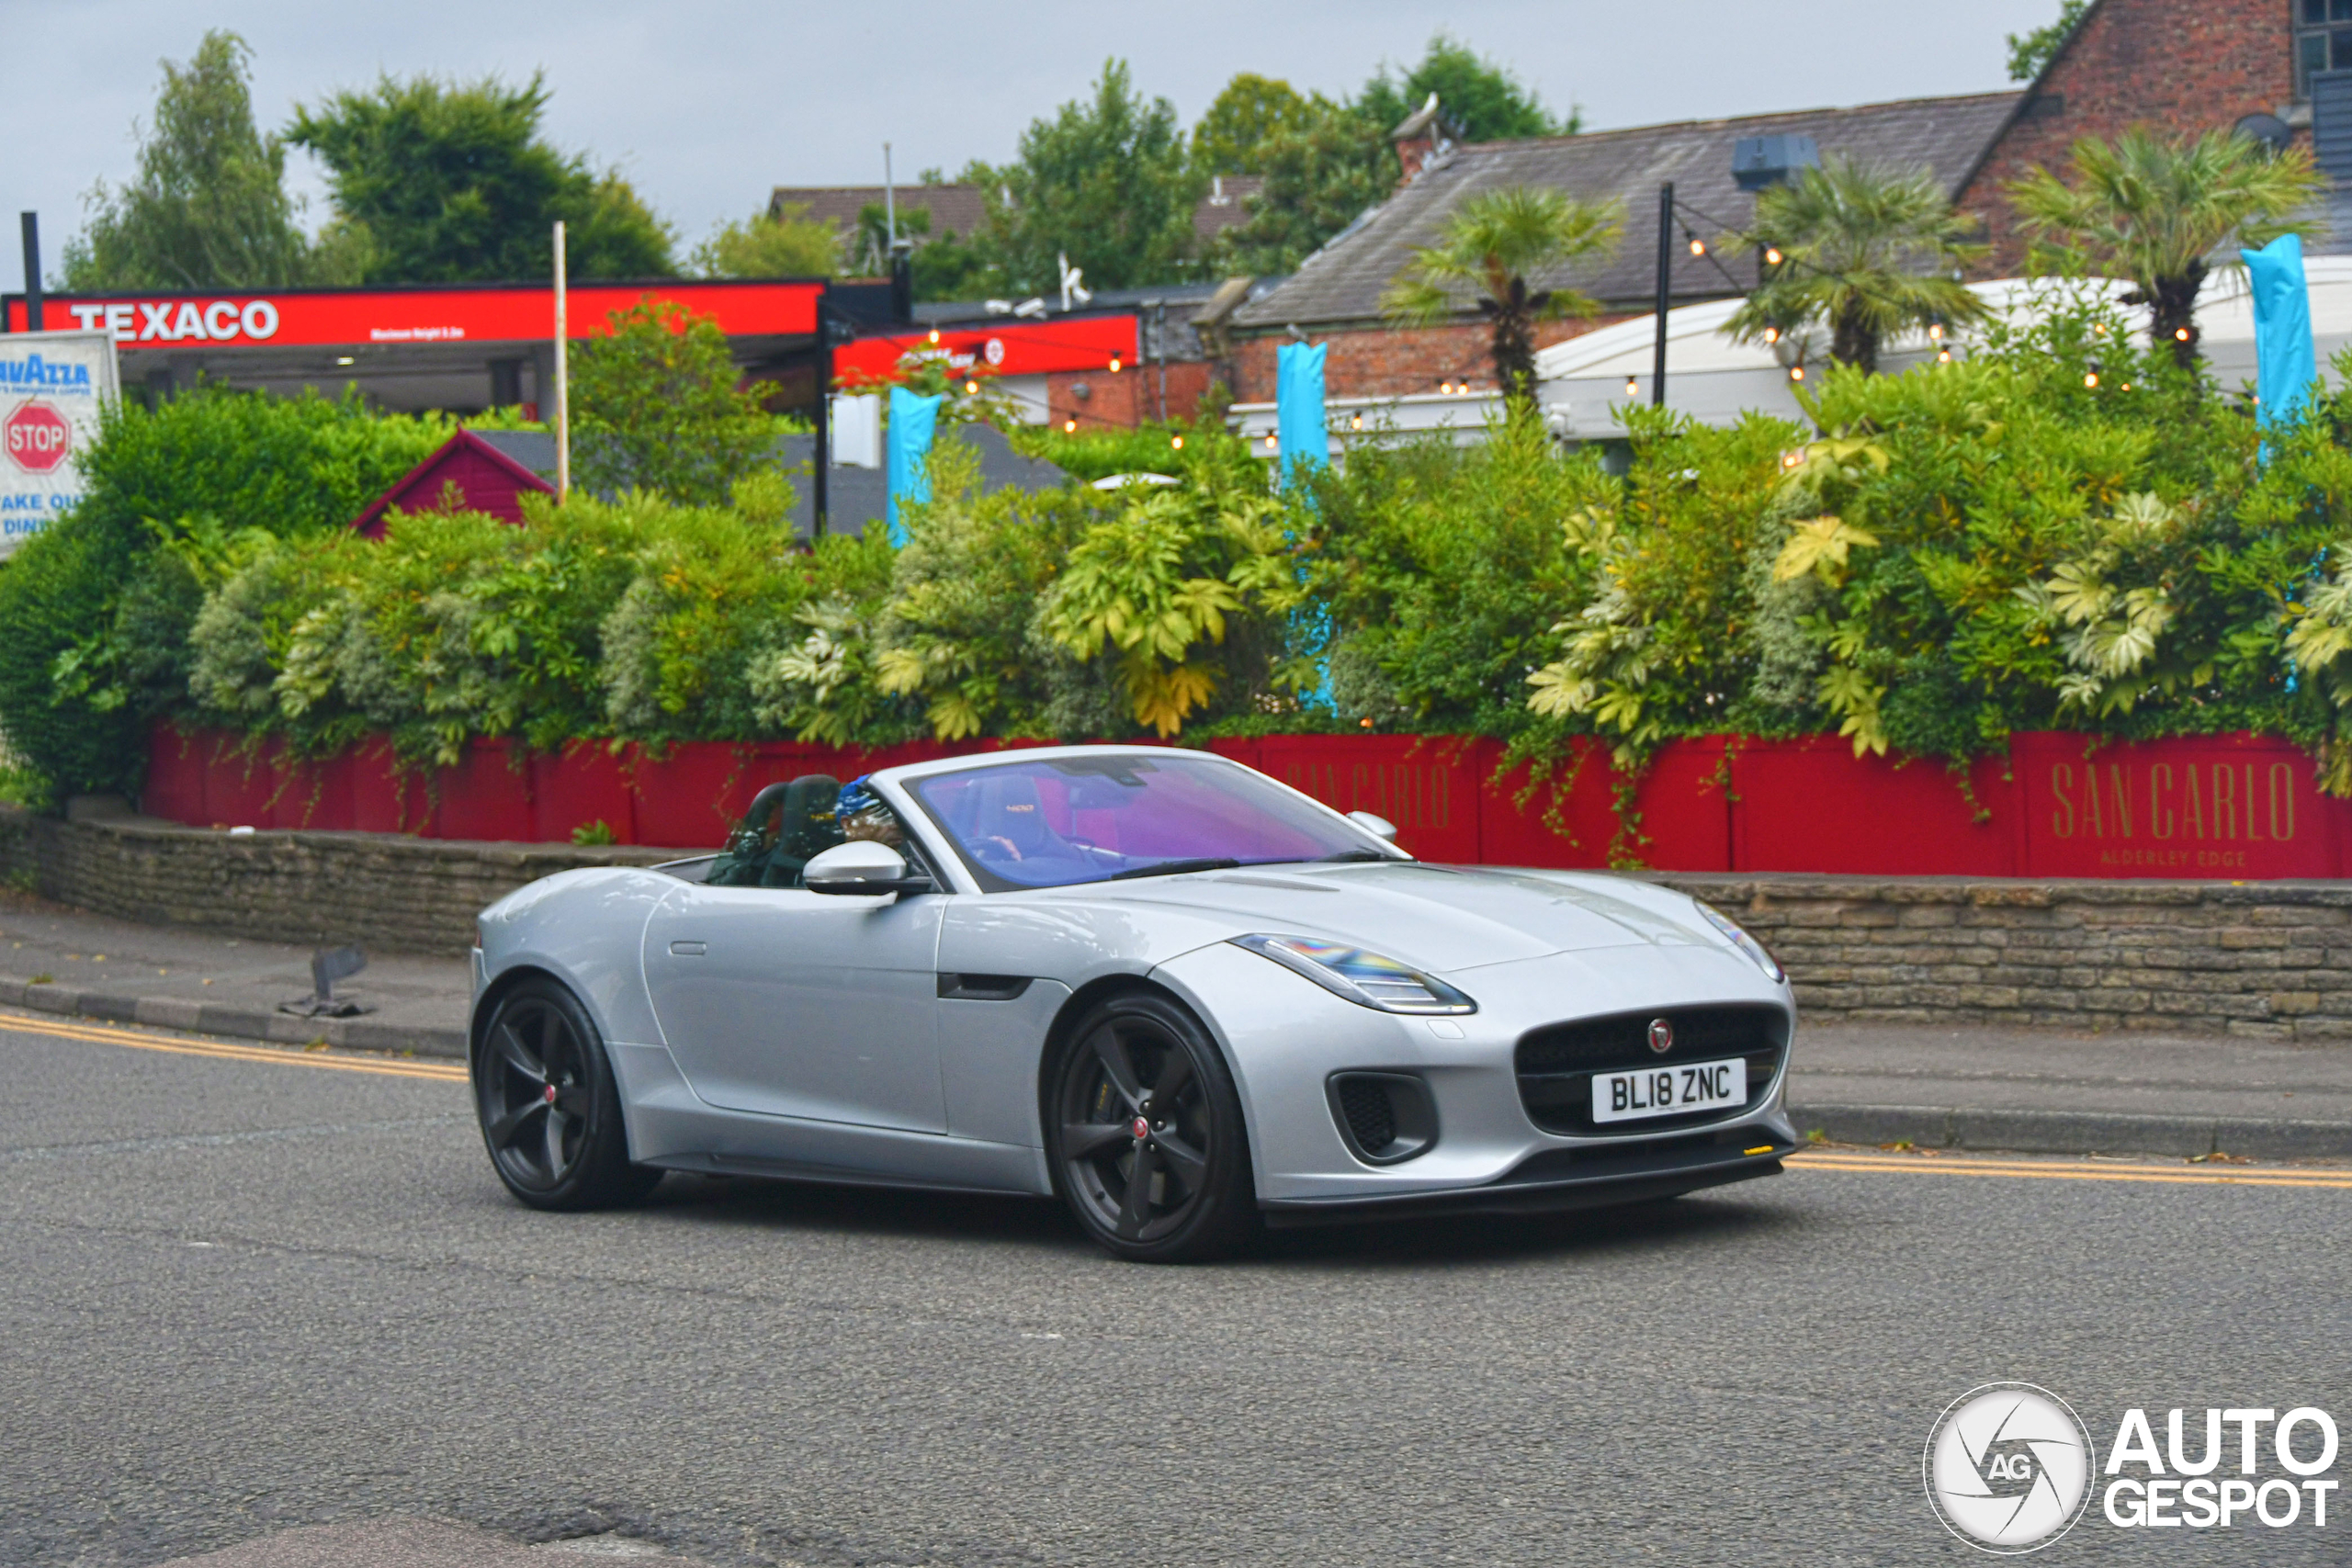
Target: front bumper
pixel 1545 1184
pixel 1286 1037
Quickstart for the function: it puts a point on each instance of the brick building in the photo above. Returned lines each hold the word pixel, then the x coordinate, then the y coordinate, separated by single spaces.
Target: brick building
pixel 2178 65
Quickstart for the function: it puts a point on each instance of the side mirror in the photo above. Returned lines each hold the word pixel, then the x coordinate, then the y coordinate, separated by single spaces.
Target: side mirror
pixel 1378 827
pixel 862 868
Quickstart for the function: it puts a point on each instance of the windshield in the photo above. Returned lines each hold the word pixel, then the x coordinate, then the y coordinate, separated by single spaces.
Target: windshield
pixel 1051 823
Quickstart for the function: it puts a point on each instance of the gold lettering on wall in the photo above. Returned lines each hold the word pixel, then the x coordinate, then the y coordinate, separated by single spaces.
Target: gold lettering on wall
pixel 2225 809
pixel 2160 818
pixel 2062 779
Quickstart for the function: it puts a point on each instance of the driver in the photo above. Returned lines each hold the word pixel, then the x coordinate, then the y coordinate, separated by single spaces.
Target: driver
pixel 864 817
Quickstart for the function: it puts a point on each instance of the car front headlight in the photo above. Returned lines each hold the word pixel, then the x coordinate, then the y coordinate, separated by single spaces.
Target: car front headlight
pixel 1364 978
pixel 1742 941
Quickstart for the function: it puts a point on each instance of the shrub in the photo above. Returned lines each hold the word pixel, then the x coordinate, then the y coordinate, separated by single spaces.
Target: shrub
pixel 96 611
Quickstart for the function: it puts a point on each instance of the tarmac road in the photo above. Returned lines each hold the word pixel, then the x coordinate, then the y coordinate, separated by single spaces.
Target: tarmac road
pixel 243 1291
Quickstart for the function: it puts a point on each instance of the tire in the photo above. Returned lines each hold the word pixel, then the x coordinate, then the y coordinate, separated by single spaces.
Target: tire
pixel 549 1110
pixel 1143 1058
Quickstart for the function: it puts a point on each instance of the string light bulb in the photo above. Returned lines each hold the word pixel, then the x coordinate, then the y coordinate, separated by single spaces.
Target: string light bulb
pixel 1698 246
pixel 1176 444
pixel 1796 372
pixel 1355 422
pixel 2182 334
pixel 1772 255
pixel 1272 441
pixel 1771 334
pixel 2090 379
pixel 1943 356
pixel 1445 388
pixel 1115 365
pixel 1632 387
pixel 1935 331
pixel 2125 386
pixel 1069 427
pixel 934 335
pixel 971 389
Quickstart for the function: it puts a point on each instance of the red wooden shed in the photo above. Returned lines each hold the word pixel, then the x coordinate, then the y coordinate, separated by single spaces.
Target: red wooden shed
pixel 488 481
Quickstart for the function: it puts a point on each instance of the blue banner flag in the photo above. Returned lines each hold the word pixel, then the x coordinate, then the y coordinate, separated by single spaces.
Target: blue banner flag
pixel 2285 362
pixel 1306 439
pixel 913 421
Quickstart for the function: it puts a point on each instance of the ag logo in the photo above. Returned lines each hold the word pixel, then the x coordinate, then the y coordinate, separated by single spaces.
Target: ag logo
pixel 2009 1468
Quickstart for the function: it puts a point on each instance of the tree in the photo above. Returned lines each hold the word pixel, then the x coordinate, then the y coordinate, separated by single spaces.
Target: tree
pixel 1232 136
pixel 656 405
pixel 2031 52
pixel 785 244
pixel 1321 175
pixel 1479 100
pixel 1105 181
pixel 1870 252
pixel 2153 210
pixel 209 208
pixel 1493 244
pixel 444 183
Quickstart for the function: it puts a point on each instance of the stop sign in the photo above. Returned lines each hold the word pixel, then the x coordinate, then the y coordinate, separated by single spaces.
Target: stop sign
pixel 36 437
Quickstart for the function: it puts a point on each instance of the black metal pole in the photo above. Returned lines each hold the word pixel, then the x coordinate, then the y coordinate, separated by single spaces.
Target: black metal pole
pixel 32 273
pixel 1664 290
pixel 822 452
pixel 823 458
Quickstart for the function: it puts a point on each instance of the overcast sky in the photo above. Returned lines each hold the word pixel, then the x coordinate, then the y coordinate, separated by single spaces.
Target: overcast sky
pixel 706 104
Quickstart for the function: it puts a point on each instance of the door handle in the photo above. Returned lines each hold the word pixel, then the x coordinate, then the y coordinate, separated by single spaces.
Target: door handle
pixel 689 948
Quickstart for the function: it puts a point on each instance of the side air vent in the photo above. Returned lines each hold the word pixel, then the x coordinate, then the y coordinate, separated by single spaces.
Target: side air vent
pixel 1384 1117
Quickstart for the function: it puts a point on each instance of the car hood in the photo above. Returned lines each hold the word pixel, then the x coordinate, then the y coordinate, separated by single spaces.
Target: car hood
pixel 1441 918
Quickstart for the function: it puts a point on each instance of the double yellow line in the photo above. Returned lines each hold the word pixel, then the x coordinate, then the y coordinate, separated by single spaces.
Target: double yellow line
pixel 99 1034
pixel 2067 1170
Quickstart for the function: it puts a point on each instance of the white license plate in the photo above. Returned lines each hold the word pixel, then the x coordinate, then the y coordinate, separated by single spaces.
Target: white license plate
pixel 1670 1092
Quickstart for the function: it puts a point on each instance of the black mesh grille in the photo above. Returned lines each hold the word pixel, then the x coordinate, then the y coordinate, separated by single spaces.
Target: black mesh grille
pixel 1364 1102
pixel 1557 1062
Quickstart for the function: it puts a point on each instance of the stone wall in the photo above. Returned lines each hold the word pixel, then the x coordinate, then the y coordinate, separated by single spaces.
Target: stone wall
pixel 2266 959
pixel 2271 960
pixel 387 891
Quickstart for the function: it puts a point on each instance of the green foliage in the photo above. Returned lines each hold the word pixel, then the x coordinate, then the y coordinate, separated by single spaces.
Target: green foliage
pixel 96 611
pixel 2029 53
pixel 1105 181
pixel 1871 253
pixel 2153 210
pixel 209 208
pixel 1097 452
pixel 959 633
pixel 656 405
pixel 766 244
pixel 1176 572
pixel 443 182
pixel 1479 100
pixel 1232 135
pixel 1487 249
pixel 1321 175
pixel 1441 571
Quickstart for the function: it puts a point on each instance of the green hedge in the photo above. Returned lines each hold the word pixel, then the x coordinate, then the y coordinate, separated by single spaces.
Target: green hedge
pixel 2061 532
pixel 95 612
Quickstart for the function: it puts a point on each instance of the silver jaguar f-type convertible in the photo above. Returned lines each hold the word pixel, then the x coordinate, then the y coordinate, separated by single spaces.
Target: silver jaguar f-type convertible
pixel 1188 999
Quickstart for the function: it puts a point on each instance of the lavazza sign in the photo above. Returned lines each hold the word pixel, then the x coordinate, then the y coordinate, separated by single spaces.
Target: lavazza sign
pixel 53 387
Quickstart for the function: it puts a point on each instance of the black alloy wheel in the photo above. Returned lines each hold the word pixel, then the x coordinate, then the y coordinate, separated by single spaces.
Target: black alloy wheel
pixel 1145 1135
pixel 549 1110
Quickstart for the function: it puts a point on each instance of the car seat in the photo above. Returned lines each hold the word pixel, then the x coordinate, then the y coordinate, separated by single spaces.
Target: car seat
pixel 789 826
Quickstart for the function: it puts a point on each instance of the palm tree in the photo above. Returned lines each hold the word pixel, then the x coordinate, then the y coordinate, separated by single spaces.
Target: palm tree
pixel 1492 244
pixel 1868 252
pixel 2154 211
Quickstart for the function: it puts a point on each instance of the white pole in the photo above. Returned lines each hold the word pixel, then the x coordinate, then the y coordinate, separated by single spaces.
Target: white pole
pixel 890 202
pixel 562 379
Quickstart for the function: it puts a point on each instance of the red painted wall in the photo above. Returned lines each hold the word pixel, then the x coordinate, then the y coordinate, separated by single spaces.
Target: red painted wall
pixel 2231 807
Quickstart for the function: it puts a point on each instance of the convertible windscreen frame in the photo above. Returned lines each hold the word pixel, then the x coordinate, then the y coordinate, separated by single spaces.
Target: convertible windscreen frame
pixel 1044 815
